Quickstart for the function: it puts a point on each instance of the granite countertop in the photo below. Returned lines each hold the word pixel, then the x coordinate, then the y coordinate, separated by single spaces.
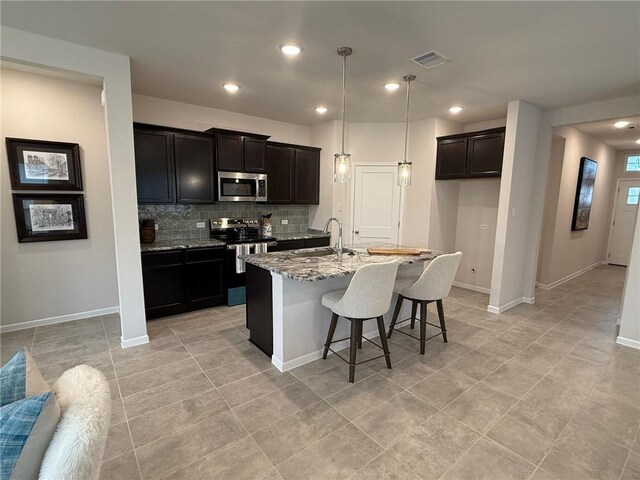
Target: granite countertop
pixel 301 235
pixel 295 264
pixel 180 244
pixel 211 242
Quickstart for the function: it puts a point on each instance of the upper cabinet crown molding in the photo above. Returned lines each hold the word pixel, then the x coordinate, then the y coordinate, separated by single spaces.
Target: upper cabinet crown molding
pixel 470 155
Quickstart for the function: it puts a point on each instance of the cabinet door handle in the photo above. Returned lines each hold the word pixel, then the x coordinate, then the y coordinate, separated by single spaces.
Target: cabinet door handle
pixel 357 232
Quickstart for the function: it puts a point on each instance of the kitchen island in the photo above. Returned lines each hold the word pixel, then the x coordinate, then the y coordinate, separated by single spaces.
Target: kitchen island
pixel 285 315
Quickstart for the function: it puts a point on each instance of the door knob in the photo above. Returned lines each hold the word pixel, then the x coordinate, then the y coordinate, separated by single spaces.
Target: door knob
pixel 357 232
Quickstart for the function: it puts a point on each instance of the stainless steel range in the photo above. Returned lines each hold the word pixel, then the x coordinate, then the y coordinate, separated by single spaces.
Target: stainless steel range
pixel 242 238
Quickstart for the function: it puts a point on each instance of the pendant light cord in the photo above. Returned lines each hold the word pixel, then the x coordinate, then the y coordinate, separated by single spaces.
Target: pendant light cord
pixel 344 95
pixel 406 126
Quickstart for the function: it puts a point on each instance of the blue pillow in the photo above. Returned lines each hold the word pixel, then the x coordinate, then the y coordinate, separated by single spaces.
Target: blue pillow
pixel 13 379
pixel 20 378
pixel 26 429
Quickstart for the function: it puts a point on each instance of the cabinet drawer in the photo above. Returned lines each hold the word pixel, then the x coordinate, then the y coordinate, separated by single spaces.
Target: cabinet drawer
pixel 205 254
pixel 159 259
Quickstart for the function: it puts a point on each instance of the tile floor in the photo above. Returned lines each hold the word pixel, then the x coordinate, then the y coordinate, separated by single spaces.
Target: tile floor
pixel 540 392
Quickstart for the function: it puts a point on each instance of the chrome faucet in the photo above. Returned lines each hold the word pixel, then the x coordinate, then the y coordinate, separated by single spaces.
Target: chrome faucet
pixel 326 230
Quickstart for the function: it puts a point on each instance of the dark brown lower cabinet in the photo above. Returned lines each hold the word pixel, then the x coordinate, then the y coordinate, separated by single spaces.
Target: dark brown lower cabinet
pixel 260 308
pixel 181 281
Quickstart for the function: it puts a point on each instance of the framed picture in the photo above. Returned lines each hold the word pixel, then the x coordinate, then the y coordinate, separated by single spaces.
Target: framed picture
pixel 584 194
pixel 42 217
pixel 43 165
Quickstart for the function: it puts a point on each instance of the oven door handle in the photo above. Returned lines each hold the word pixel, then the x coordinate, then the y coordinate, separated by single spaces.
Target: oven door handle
pixel 241 249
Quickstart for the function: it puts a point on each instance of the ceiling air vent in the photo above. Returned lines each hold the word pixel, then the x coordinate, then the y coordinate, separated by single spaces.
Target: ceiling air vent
pixel 431 59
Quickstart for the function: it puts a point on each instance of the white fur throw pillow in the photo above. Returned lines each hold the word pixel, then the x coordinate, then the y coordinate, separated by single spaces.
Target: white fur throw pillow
pixel 76 450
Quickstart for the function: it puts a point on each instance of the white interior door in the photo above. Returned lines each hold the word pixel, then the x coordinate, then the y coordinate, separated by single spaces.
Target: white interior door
pixel 623 223
pixel 376 204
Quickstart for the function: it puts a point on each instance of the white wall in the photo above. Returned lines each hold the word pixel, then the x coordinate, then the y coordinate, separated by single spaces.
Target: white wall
pixel 630 319
pixel 168 113
pixel 485 124
pixel 476 231
pixel 508 286
pixel 26 48
pixel 443 195
pixel 566 252
pixel 50 279
pixel 326 136
pixel 591 112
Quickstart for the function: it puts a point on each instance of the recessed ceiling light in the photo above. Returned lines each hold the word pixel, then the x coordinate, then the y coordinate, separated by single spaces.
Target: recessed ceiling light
pixel 231 87
pixel 638 141
pixel 455 109
pixel 392 87
pixel 290 49
pixel 621 124
pixel 321 110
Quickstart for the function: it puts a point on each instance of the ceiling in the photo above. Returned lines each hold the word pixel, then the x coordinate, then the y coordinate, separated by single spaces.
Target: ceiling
pixel 618 138
pixel 551 54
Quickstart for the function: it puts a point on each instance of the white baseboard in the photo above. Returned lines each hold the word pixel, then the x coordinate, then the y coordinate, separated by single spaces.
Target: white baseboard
pixel 549 286
pixel 506 306
pixel 134 342
pixel 310 357
pixel 59 319
pixel 627 342
pixel 475 288
pixel 529 300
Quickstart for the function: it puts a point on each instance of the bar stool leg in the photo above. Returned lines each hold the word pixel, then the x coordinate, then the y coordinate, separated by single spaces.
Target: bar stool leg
pixel 332 330
pixel 423 326
pixel 396 312
pixel 441 316
pixel 383 339
pixel 360 335
pixel 353 349
pixel 414 308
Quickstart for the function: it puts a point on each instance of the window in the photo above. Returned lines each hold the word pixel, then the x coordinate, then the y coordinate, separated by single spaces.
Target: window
pixel 632 195
pixel 633 164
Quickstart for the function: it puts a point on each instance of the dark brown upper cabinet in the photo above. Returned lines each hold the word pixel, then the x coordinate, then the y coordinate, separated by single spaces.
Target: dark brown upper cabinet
pixel 155 174
pixel 173 165
pixel 195 168
pixel 470 155
pixel 307 177
pixel 280 164
pixel 452 158
pixel 484 154
pixel 240 151
pixel 255 153
pixel 229 152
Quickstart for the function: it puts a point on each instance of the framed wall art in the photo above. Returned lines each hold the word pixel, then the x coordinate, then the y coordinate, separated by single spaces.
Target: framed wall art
pixel 44 165
pixel 584 194
pixel 42 217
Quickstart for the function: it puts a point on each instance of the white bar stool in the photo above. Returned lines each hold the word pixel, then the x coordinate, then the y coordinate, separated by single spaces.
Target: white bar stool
pixel 432 286
pixel 367 297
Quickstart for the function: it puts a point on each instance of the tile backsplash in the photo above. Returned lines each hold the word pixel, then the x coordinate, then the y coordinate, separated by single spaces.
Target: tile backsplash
pixel 177 222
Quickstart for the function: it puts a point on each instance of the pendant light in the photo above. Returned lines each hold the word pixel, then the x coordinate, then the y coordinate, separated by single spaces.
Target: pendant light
pixel 342 160
pixel 404 167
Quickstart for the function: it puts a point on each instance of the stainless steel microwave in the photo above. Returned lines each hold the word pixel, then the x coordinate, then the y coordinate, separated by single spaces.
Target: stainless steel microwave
pixel 242 187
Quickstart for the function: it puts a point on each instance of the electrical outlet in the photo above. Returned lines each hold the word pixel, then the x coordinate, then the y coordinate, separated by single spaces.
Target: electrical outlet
pixel 484 226
pixel 284 221
pixel 339 206
pixel 156 226
pixel 200 224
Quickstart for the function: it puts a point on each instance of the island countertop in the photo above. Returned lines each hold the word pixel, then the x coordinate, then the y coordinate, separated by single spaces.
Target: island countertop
pixel 303 266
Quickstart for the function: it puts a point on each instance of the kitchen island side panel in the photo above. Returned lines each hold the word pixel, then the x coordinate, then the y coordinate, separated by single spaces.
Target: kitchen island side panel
pixel 301 323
